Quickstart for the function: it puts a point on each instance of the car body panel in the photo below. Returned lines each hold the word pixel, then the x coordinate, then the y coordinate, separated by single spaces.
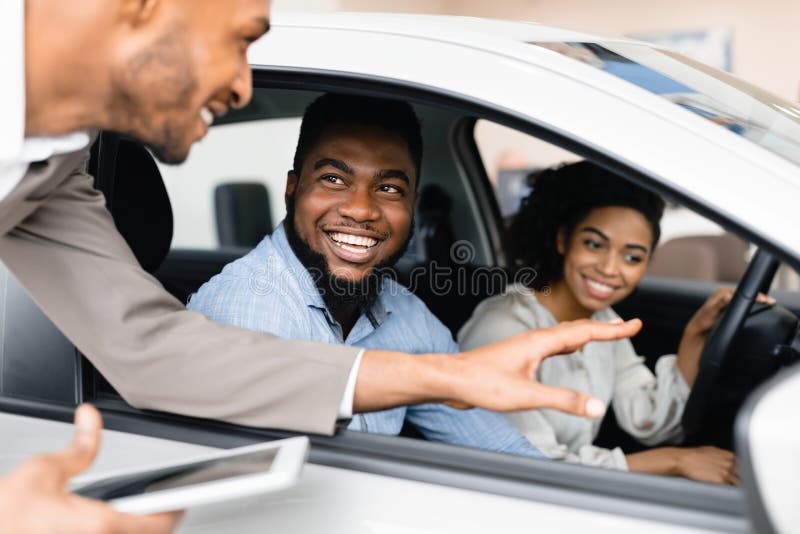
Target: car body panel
pixel 772 449
pixel 327 499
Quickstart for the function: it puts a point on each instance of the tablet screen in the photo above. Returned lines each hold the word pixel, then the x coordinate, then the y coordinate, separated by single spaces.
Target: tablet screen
pixel 179 476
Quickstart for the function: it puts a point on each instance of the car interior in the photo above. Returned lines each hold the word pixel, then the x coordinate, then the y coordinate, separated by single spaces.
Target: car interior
pixel 458 210
pixel 457 226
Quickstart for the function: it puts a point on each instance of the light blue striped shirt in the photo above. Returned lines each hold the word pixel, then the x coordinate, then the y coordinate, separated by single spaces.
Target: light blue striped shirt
pixel 269 290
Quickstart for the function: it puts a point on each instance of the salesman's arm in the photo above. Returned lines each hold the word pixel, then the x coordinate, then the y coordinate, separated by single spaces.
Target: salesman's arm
pixel 158 355
pixel 74 263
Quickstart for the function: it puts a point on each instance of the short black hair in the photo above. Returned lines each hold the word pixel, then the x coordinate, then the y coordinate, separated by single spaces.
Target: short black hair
pixel 561 198
pixel 394 116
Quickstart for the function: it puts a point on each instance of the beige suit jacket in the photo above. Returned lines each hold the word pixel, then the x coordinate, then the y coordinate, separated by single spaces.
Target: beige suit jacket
pixel 59 240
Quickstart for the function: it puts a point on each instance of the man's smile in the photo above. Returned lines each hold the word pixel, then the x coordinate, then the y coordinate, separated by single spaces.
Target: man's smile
pixel 352 245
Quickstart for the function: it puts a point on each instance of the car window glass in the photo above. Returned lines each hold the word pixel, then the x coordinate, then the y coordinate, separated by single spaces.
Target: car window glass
pixel 252 153
pixel 752 113
pixel 512 160
pixel 509 156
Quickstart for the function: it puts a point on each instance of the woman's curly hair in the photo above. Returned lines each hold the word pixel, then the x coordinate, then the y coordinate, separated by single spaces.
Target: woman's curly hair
pixel 561 198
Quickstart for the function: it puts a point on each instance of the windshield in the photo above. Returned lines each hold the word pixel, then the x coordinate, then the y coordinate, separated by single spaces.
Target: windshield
pixel 743 109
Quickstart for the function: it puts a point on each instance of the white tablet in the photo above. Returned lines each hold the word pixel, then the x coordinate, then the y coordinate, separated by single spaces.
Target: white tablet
pixel 208 479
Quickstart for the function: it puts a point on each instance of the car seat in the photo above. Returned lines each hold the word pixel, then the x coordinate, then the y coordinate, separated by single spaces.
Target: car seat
pixel 715 258
pixel 435 234
pixel 449 284
pixel 139 203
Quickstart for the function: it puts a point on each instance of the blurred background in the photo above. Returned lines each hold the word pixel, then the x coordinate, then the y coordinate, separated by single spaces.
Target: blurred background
pixel 761 35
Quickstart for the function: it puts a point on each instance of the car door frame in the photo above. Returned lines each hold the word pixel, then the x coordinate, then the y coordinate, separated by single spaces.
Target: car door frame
pixel 670 500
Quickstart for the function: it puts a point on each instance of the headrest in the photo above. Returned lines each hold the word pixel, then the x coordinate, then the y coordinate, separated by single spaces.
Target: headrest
pixel 434 200
pixel 243 213
pixel 140 205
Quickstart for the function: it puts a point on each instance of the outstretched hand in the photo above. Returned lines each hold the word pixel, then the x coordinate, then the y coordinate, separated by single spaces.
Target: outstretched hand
pixel 34 498
pixel 502 376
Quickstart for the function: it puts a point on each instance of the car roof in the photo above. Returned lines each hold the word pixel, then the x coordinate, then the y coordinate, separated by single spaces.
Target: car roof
pixel 494 63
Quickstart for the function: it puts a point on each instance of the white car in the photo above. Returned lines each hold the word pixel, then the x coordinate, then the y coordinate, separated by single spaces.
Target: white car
pixel 703 139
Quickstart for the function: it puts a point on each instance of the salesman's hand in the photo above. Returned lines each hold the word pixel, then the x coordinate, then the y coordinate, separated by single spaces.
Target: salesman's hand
pixel 502 376
pixel 34 498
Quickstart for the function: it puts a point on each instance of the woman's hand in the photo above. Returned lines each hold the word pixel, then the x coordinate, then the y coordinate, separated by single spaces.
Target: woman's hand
pixel 698 327
pixel 707 464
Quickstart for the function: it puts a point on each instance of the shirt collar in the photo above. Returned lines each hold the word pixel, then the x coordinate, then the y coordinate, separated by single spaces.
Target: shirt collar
pixel 308 289
pixel 12 90
pixel 15 148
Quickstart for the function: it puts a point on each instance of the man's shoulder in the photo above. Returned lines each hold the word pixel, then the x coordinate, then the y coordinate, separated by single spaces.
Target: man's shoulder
pixel 254 275
pixel 410 311
pixel 398 296
pixel 264 257
pixel 257 292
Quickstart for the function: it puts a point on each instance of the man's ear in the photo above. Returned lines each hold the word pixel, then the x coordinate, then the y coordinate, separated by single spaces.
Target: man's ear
pixel 137 12
pixel 561 241
pixel 291 186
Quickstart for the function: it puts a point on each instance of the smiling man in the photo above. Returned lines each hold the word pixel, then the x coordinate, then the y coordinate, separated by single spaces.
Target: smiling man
pixel 322 275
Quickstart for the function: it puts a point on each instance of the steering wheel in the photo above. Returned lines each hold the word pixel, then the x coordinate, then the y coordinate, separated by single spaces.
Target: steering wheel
pixel 757 278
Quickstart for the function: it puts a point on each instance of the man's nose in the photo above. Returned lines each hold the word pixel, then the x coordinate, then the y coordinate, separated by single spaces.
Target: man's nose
pixel 242 87
pixel 359 206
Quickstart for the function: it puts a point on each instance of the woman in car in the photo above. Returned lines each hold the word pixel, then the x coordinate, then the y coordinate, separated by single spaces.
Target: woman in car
pixel 589 235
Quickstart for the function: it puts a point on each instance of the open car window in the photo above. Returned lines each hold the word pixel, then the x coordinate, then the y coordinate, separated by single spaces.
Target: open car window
pixel 236 151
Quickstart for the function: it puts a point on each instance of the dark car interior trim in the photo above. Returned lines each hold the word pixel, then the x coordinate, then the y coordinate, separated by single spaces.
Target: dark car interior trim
pixel 469 159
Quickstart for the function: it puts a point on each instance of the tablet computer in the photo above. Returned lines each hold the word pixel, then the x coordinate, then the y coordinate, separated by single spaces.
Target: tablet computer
pixel 208 479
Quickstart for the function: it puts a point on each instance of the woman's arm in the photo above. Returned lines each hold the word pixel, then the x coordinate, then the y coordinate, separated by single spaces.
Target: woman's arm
pixel 706 464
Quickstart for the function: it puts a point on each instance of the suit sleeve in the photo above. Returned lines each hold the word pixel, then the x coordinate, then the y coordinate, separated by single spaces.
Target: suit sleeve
pixel 158 355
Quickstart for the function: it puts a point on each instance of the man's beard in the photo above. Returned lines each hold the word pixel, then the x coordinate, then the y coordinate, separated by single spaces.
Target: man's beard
pixel 340 293
pixel 152 93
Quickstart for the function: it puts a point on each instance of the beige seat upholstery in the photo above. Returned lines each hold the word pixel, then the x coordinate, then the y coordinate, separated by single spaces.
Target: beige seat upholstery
pixel 720 258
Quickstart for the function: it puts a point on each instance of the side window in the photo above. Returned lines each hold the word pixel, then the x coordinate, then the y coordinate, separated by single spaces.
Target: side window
pixel 245 161
pixel 510 157
pixel 512 160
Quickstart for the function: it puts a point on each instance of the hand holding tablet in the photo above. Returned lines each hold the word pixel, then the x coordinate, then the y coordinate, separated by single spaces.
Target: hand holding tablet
pixel 208 479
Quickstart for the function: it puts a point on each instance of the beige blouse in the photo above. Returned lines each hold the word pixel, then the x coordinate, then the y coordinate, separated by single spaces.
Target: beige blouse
pixel 648 407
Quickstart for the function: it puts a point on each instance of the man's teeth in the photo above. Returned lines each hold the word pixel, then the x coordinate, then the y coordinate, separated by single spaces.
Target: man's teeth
pixel 207 115
pixel 361 241
pixel 597 286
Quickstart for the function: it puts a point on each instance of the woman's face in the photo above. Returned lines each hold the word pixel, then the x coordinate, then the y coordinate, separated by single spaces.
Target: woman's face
pixel 606 256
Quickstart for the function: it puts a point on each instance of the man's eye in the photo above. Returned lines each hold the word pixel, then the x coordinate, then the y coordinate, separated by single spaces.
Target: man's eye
pixel 332 179
pixel 392 189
